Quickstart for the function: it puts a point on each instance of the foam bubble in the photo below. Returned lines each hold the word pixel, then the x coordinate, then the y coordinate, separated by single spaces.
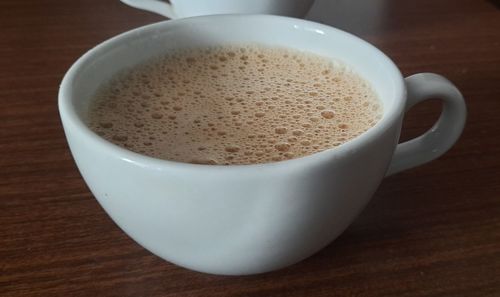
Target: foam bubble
pixel 328 114
pixel 282 147
pixel 232 148
pixel 280 130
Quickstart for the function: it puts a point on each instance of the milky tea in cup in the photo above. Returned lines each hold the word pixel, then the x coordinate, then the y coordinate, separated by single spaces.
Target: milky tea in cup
pixel 231 105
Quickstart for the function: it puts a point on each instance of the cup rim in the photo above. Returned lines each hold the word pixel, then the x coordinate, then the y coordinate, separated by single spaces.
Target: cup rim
pixel 69 115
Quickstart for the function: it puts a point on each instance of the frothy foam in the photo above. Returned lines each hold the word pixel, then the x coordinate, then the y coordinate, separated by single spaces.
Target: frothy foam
pixel 234 105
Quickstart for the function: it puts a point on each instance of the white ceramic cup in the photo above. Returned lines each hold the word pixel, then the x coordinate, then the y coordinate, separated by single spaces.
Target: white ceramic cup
pixel 187 8
pixel 249 219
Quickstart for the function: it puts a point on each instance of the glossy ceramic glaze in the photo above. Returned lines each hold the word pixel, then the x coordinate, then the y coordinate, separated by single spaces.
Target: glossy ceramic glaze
pixel 188 8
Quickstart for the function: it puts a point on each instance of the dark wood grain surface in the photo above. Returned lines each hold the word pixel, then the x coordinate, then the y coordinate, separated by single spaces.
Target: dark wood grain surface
pixel 430 231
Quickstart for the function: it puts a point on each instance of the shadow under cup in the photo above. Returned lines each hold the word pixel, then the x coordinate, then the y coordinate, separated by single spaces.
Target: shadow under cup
pixel 239 219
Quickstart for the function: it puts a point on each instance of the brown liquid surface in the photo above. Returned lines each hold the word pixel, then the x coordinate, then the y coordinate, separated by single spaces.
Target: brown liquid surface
pixel 234 105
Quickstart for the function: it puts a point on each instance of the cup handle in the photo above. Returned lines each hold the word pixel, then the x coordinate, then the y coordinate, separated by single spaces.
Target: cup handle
pixel 160 7
pixel 446 130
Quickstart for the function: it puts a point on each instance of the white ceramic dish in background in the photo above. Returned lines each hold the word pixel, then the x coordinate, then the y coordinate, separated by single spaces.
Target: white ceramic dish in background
pixel 251 218
pixel 188 8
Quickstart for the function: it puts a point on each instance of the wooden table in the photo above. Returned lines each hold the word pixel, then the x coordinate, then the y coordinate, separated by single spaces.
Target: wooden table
pixel 430 231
